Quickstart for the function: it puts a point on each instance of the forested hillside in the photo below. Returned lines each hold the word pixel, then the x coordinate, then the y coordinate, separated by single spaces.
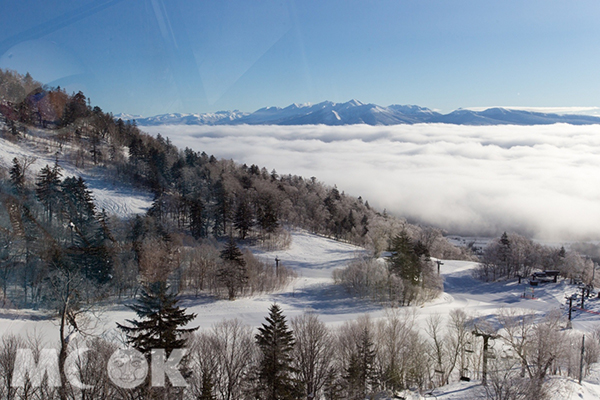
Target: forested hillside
pixel 61 253
pixel 49 221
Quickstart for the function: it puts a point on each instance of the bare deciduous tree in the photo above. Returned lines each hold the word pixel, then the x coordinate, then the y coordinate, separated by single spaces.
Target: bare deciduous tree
pixel 313 353
pixel 230 357
pixel 538 344
pixel 8 354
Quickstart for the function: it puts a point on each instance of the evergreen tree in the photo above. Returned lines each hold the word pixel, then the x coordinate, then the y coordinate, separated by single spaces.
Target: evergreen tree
pixel 404 261
pixel 360 373
pixel 267 215
pixel 79 204
pixel 334 386
pixel 365 223
pixel 159 320
pixel 243 218
pixel 504 253
pixel 75 108
pixel 207 386
pixel 276 343
pixel 366 357
pixel 562 253
pixel 232 273
pixel 196 220
pixel 103 250
pixel 17 175
pixel 421 250
pixel 49 190
pixel 98 257
pixel 222 207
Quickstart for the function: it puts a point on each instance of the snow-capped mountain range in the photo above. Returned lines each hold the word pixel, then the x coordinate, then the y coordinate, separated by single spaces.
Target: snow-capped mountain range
pixel 354 112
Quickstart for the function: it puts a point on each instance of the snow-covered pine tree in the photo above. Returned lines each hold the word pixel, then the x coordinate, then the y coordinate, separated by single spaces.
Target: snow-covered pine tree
pixel 49 189
pixel 160 320
pixel 17 175
pixel 276 343
pixel 232 273
pixel 79 204
pixel 404 261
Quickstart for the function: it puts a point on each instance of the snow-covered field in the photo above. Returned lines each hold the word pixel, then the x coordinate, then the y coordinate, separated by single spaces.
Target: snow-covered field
pixel 314 258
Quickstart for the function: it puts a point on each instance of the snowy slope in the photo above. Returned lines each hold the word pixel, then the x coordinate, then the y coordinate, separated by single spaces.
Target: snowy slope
pixel 561 388
pixel 314 258
pixel 114 197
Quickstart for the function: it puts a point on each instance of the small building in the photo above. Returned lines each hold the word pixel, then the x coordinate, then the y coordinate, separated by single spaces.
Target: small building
pixel 545 276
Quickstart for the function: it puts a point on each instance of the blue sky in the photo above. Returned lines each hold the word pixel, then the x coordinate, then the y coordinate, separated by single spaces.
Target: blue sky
pixel 156 56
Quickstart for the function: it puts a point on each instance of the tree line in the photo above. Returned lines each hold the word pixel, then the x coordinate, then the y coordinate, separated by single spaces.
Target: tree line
pixel 194 192
pixel 512 255
pixel 55 228
pixel 303 358
pixel 49 222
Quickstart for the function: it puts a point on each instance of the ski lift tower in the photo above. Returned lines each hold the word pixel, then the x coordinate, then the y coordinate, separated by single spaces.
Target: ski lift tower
pixel 486 338
pixel 439 263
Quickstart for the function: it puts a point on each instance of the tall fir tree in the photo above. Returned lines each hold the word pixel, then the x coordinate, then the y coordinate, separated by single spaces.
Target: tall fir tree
pixel 17 175
pixel 101 251
pixel 207 386
pixel 243 218
pixel 160 320
pixel 360 373
pixel 49 190
pixel 232 272
pixel 196 217
pixel 276 343
pixel 266 215
pixel 404 261
pixel 504 252
pixel 78 203
pixel 334 386
pixel 222 207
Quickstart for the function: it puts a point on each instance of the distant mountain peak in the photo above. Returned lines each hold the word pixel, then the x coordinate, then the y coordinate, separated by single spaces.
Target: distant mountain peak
pixel 355 103
pixel 355 112
pixel 127 117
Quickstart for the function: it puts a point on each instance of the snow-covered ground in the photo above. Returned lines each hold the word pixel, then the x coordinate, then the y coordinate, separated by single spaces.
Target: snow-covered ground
pixel 314 258
pixel 114 197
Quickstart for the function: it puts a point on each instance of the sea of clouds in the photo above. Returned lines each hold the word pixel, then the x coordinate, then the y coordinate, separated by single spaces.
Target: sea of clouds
pixel 542 181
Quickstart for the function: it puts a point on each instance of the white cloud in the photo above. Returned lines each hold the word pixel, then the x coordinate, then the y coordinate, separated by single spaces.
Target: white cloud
pixel 540 180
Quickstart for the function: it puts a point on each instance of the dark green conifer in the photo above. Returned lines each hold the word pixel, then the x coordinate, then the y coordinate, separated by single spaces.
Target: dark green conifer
pixel 79 204
pixel 404 261
pixel 160 320
pixel 360 373
pixel 207 386
pixel 243 218
pixel 232 273
pixel 49 189
pixel 17 175
pixel 276 343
